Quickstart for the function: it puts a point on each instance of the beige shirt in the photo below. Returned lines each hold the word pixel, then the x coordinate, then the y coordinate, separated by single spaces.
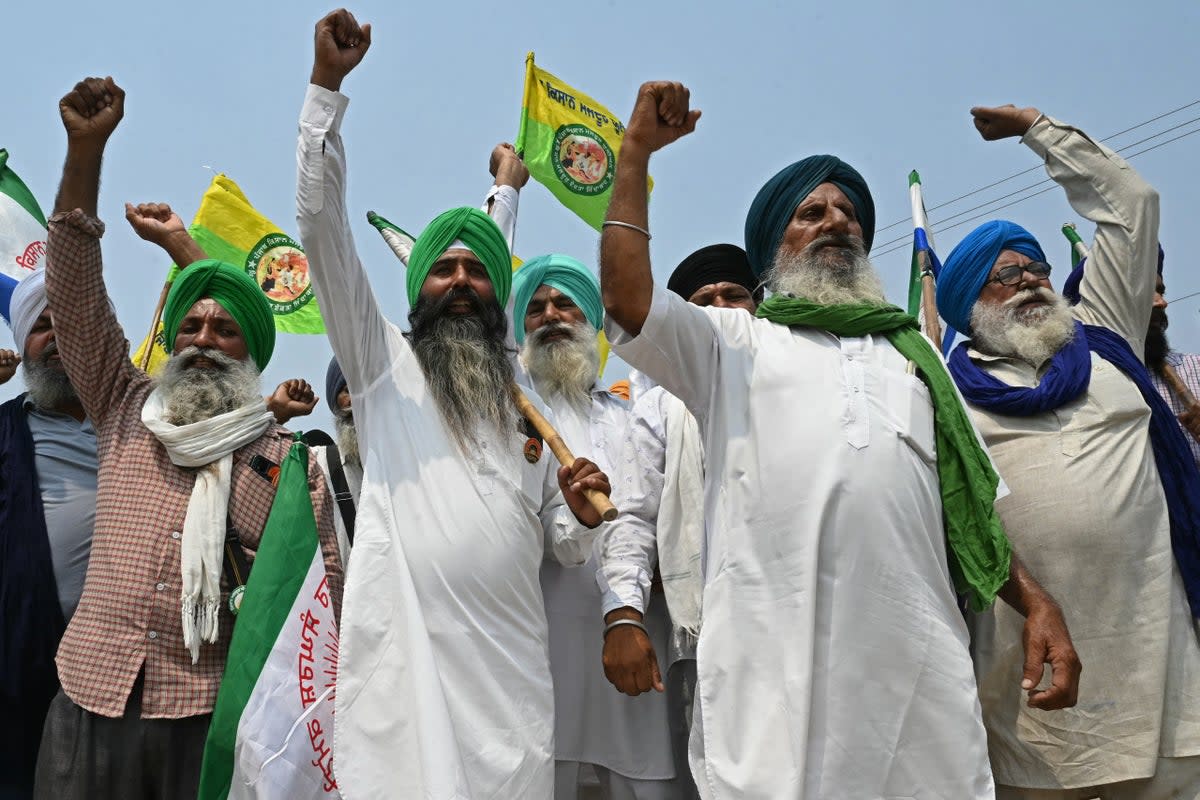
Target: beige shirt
pixel 1087 514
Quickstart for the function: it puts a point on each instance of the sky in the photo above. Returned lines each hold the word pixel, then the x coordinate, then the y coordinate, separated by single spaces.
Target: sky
pixel 887 86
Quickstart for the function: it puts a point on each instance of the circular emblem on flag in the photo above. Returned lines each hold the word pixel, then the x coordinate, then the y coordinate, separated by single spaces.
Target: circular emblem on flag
pixel 582 160
pixel 235 599
pixel 280 268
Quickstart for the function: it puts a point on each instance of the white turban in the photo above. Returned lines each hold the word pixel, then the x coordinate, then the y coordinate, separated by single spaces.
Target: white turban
pixel 28 303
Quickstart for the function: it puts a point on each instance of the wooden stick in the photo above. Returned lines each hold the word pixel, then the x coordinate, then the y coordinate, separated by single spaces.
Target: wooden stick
pixel 599 500
pixel 933 328
pixel 162 302
pixel 1178 386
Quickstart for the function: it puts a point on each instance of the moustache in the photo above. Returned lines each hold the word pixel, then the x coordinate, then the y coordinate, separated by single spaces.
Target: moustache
pixel 843 240
pixel 190 355
pixel 50 350
pixel 1032 293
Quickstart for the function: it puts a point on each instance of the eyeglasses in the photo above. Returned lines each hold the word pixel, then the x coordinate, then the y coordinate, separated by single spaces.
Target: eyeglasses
pixel 1011 275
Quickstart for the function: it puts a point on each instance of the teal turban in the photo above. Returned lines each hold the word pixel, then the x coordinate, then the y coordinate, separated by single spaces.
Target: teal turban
pixel 563 273
pixel 776 202
pixel 477 231
pixel 970 262
pixel 236 292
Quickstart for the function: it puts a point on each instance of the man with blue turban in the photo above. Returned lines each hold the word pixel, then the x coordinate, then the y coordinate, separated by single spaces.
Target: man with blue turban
pixel 846 497
pixel 1105 496
pixel 444 685
pixel 184 482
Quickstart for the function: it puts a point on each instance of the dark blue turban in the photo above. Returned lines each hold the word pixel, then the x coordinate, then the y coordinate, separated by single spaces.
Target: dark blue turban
pixel 335 381
pixel 776 202
pixel 966 270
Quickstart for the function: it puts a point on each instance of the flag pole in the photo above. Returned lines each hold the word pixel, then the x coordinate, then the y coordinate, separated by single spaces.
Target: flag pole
pixel 923 264
pixel 599 500
pixel 162 302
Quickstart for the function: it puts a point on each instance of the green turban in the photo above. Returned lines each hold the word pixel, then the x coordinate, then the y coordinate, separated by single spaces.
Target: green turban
pixel 474 229
pixel 234 290
pixel 563 273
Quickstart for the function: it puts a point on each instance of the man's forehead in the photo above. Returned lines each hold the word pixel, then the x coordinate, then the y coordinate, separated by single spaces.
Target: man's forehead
pixel 1008 258
pixel 825 192
pixel 548 292
pixel 206 307
pixel 455 254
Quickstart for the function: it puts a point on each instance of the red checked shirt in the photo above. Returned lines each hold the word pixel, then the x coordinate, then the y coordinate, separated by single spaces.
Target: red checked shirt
pixel 129 615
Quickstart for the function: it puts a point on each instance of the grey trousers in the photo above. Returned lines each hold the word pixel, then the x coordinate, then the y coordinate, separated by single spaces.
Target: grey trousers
pixel 85 756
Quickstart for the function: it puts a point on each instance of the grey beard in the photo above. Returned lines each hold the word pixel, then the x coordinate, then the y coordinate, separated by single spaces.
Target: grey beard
pixel 1033 336
pixel 347 437
pixel 831 270
pixel 193 394
pixel 565 367
pixel 469 374
pixel 49 388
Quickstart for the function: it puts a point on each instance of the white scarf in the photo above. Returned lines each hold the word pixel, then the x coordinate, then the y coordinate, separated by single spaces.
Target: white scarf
pixel 681 527
pixel 207 445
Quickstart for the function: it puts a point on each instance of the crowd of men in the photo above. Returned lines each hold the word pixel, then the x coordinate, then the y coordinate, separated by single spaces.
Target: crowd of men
pixel 817 511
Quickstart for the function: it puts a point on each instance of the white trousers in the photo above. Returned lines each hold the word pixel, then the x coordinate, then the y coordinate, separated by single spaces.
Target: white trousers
pixel 573 781
pixel 1174 779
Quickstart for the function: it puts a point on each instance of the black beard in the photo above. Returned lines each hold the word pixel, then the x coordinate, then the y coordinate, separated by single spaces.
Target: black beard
pixel 1156 348
pixel 465 361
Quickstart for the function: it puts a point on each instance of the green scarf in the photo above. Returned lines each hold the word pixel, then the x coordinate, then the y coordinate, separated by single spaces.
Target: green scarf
pixel 979 548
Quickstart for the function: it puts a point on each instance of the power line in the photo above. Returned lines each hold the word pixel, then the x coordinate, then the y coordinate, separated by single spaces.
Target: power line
pixel 937 225
pixel 1035 168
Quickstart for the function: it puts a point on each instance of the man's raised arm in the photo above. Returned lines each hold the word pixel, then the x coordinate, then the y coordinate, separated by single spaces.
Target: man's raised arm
pixel 158 224
pixel 356 326
pixel 660 116
pixel 90 340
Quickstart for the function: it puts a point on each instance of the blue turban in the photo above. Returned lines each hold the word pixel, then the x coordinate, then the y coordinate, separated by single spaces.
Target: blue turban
pixel 335 381
pixel 966 270
pixel 563 273
pixel 776 202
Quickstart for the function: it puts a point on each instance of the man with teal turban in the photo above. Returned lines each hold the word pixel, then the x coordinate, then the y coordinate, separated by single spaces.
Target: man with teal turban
pixel 1105 495
pixel 459 505
pixel 557 313
pixel 185 467
pixel 846 497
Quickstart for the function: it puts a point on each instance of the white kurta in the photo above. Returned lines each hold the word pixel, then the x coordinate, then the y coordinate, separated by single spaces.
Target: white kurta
pixel 443 685
pixel 1088 517
pixel 833 659
pixel 594 723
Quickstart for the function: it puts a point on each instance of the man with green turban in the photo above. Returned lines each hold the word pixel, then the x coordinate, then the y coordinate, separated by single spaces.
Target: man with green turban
pixel 846 497
pixel 444 688
pixel 185 469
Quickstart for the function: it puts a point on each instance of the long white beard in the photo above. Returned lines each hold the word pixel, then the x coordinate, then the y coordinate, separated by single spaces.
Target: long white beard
pixel 192 394
pixel 566 367
pixel 1032 335
pixel 830 270
pixel 347 437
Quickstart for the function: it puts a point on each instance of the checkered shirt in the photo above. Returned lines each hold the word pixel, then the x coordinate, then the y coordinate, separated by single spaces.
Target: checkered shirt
pixel 129 616
pixel 1187 367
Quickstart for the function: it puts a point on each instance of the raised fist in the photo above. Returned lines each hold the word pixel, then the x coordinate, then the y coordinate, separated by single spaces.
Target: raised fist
pixel 506 167
pixel 292 398
pixel 90 112
pixel 660 116
pixel 8 365
pixel 340 44
pixel 154 222
pixel 1003 122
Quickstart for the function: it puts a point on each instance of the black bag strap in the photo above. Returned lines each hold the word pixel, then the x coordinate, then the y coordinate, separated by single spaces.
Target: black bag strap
pixel 341 489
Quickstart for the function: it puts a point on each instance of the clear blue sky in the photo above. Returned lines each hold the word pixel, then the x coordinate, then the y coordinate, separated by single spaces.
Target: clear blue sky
pixel 887 86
